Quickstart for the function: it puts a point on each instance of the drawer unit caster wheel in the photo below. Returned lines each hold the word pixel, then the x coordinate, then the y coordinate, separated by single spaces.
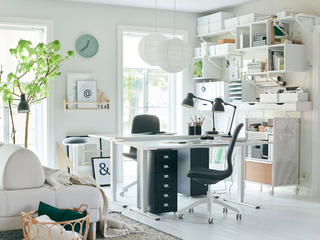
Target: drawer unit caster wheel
pixel 211 221
pixel 238 216
pixel 271 192
pixel 122 194
pixel 181 216
pixel 191 210
pixel 225 210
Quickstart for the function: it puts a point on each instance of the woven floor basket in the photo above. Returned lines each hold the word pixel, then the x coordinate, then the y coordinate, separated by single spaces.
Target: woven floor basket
pixel 34 230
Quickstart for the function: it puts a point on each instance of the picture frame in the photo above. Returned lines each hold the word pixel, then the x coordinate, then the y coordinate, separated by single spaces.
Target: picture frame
pixel 101 170
pixel 87 92
pixel 72 79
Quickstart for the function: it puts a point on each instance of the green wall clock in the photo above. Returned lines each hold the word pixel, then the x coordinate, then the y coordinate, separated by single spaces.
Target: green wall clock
pixel 87 46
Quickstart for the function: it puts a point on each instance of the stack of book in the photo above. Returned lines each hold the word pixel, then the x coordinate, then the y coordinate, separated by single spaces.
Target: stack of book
pixel 276 58
pixel 256 67
pixel 260 39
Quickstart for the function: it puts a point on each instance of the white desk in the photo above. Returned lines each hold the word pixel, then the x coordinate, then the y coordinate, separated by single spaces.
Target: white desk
pixel 144 143
pixel 123 138
pixel 142 154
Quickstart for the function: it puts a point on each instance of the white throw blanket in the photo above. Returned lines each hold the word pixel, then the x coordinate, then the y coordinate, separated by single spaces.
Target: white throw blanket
pixel 109 227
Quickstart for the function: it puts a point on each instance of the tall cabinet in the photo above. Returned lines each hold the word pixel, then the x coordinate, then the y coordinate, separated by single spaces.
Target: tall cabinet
pixel 281 166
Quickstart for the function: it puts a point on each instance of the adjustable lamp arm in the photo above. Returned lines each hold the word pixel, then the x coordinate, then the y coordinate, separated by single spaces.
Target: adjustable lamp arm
pixel 234 111
pixel 203 99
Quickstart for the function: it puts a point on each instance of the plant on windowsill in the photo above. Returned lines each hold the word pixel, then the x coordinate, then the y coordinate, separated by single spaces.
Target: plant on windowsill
pixel 198 71
pixel 42 62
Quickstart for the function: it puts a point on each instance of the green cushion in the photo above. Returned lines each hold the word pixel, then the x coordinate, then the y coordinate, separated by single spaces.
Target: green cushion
pixel 53 213
pixel 73 215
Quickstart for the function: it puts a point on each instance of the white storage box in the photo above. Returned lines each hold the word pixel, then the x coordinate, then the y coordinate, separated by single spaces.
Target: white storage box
pixel 227 48
pixel 284 97
pixel 197 52
pixel 249 18
pixel 212 50
pixel 205 48
pixel 269 98
pixel 231 23
pixel 217 26
pixel 203 29
pixel 220 16
pixel 284 14
pixel 203 20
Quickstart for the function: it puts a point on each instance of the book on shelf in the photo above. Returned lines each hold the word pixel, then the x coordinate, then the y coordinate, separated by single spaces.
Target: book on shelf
pixel 277 60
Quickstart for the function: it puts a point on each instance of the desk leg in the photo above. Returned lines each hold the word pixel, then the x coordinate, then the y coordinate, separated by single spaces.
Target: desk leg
pixel 143 178
pixel 241 179
pixel 241 175
pixel 113 166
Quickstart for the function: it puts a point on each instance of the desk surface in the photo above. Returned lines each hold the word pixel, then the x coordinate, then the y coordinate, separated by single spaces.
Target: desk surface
pixel 153 145
pixel 146 137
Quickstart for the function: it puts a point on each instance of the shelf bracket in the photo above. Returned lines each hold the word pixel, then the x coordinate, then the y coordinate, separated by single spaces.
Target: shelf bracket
pixel 277 26
pixel 301 24
pixel 251 82
pixel 216 65
pixel 286 113
pixel 233 33
pixel 227 58
pixel 202 39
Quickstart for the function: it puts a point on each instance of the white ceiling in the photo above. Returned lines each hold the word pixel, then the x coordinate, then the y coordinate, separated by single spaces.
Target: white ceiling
pixel 196 6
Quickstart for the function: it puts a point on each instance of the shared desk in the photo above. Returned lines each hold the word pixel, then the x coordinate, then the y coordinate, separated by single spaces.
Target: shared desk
pixel 144 143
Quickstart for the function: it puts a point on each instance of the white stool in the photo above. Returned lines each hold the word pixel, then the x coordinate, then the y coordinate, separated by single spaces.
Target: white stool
pixel 75 143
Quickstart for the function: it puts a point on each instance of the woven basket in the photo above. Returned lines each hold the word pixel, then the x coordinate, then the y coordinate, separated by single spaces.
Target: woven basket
pixel 34 230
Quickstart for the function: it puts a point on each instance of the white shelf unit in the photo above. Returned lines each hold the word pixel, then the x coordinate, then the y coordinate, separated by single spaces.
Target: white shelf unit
pixel 209 71
pixel 281 167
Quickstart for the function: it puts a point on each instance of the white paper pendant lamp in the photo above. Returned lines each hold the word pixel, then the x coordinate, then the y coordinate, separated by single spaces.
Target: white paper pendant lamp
pixel 173 55
pixel 148 47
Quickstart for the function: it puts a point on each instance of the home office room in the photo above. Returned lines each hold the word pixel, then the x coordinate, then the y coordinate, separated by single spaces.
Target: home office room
pixel 163 119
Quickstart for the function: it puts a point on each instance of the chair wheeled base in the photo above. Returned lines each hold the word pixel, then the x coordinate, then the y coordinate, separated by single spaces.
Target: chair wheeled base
pixel 125 189
pixel 209 200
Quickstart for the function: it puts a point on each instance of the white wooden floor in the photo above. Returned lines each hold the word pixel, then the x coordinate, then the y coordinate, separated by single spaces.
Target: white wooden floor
pixel 283 216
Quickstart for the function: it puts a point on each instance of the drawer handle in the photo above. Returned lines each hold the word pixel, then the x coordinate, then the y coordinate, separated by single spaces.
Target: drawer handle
pixel 166 195
pixel 166 176
pixel 166 205
pixel 166 166
pixel 166 186
pixel 166 157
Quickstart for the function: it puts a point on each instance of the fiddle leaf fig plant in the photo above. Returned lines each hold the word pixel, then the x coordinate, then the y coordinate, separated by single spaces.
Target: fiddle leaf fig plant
pixel 198 70
pixel 43 63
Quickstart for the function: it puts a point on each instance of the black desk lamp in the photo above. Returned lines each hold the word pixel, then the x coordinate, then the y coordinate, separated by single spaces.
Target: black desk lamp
pixel 218 107
pixel 23 107
pixel 188 102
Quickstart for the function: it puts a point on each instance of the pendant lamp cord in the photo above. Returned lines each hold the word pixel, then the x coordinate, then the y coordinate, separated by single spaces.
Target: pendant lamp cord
pixel 174 19
pixel 156 16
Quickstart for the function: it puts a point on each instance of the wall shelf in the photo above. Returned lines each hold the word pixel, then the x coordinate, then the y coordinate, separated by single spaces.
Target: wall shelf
pixel 218 33
pixel 100 105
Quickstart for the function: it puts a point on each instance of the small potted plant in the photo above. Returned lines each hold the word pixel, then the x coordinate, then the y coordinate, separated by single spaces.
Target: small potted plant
pixel 198 70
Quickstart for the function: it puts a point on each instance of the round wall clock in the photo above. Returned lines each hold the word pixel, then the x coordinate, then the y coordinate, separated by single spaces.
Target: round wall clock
pixel 87 46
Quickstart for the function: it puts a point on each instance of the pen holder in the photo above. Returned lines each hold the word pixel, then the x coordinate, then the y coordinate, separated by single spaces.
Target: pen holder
pixel 191 130
pixel 197 130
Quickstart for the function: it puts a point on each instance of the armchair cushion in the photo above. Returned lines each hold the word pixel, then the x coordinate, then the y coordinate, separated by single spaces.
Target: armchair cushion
pixel 20 168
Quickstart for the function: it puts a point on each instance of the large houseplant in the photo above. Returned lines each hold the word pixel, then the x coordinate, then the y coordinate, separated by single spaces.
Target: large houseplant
pixel 43 62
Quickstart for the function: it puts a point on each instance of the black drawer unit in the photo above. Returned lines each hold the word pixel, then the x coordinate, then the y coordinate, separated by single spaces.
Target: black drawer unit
pixel 162 181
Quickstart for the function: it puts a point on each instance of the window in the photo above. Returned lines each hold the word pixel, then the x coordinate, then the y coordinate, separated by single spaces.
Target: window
pixel 9 37
pixel 146 89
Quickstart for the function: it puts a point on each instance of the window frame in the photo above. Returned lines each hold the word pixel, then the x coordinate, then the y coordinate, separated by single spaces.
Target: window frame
pixel 49 156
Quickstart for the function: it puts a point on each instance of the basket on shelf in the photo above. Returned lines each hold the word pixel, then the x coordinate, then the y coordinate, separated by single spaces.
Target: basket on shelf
pixel 35 230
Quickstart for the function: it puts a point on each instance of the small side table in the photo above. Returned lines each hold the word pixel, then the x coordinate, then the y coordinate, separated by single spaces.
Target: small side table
pixel 75 143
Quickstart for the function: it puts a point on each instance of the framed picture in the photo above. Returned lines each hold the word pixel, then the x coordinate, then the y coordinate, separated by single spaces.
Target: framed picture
pixel 101 170
pixel 72 79
pixel 87 92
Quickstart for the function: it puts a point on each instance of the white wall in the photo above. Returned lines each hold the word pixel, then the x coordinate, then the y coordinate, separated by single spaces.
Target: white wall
pixel 306 130
pixel 71 20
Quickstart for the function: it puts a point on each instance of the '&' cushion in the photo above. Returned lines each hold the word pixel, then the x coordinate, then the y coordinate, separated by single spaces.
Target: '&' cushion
pixel 20 168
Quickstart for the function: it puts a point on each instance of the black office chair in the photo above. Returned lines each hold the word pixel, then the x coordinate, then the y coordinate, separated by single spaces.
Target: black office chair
pixel 140 124
pixel 209 176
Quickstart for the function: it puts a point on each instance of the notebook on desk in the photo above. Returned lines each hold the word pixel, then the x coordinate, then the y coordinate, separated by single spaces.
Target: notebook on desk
pixel 158 133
